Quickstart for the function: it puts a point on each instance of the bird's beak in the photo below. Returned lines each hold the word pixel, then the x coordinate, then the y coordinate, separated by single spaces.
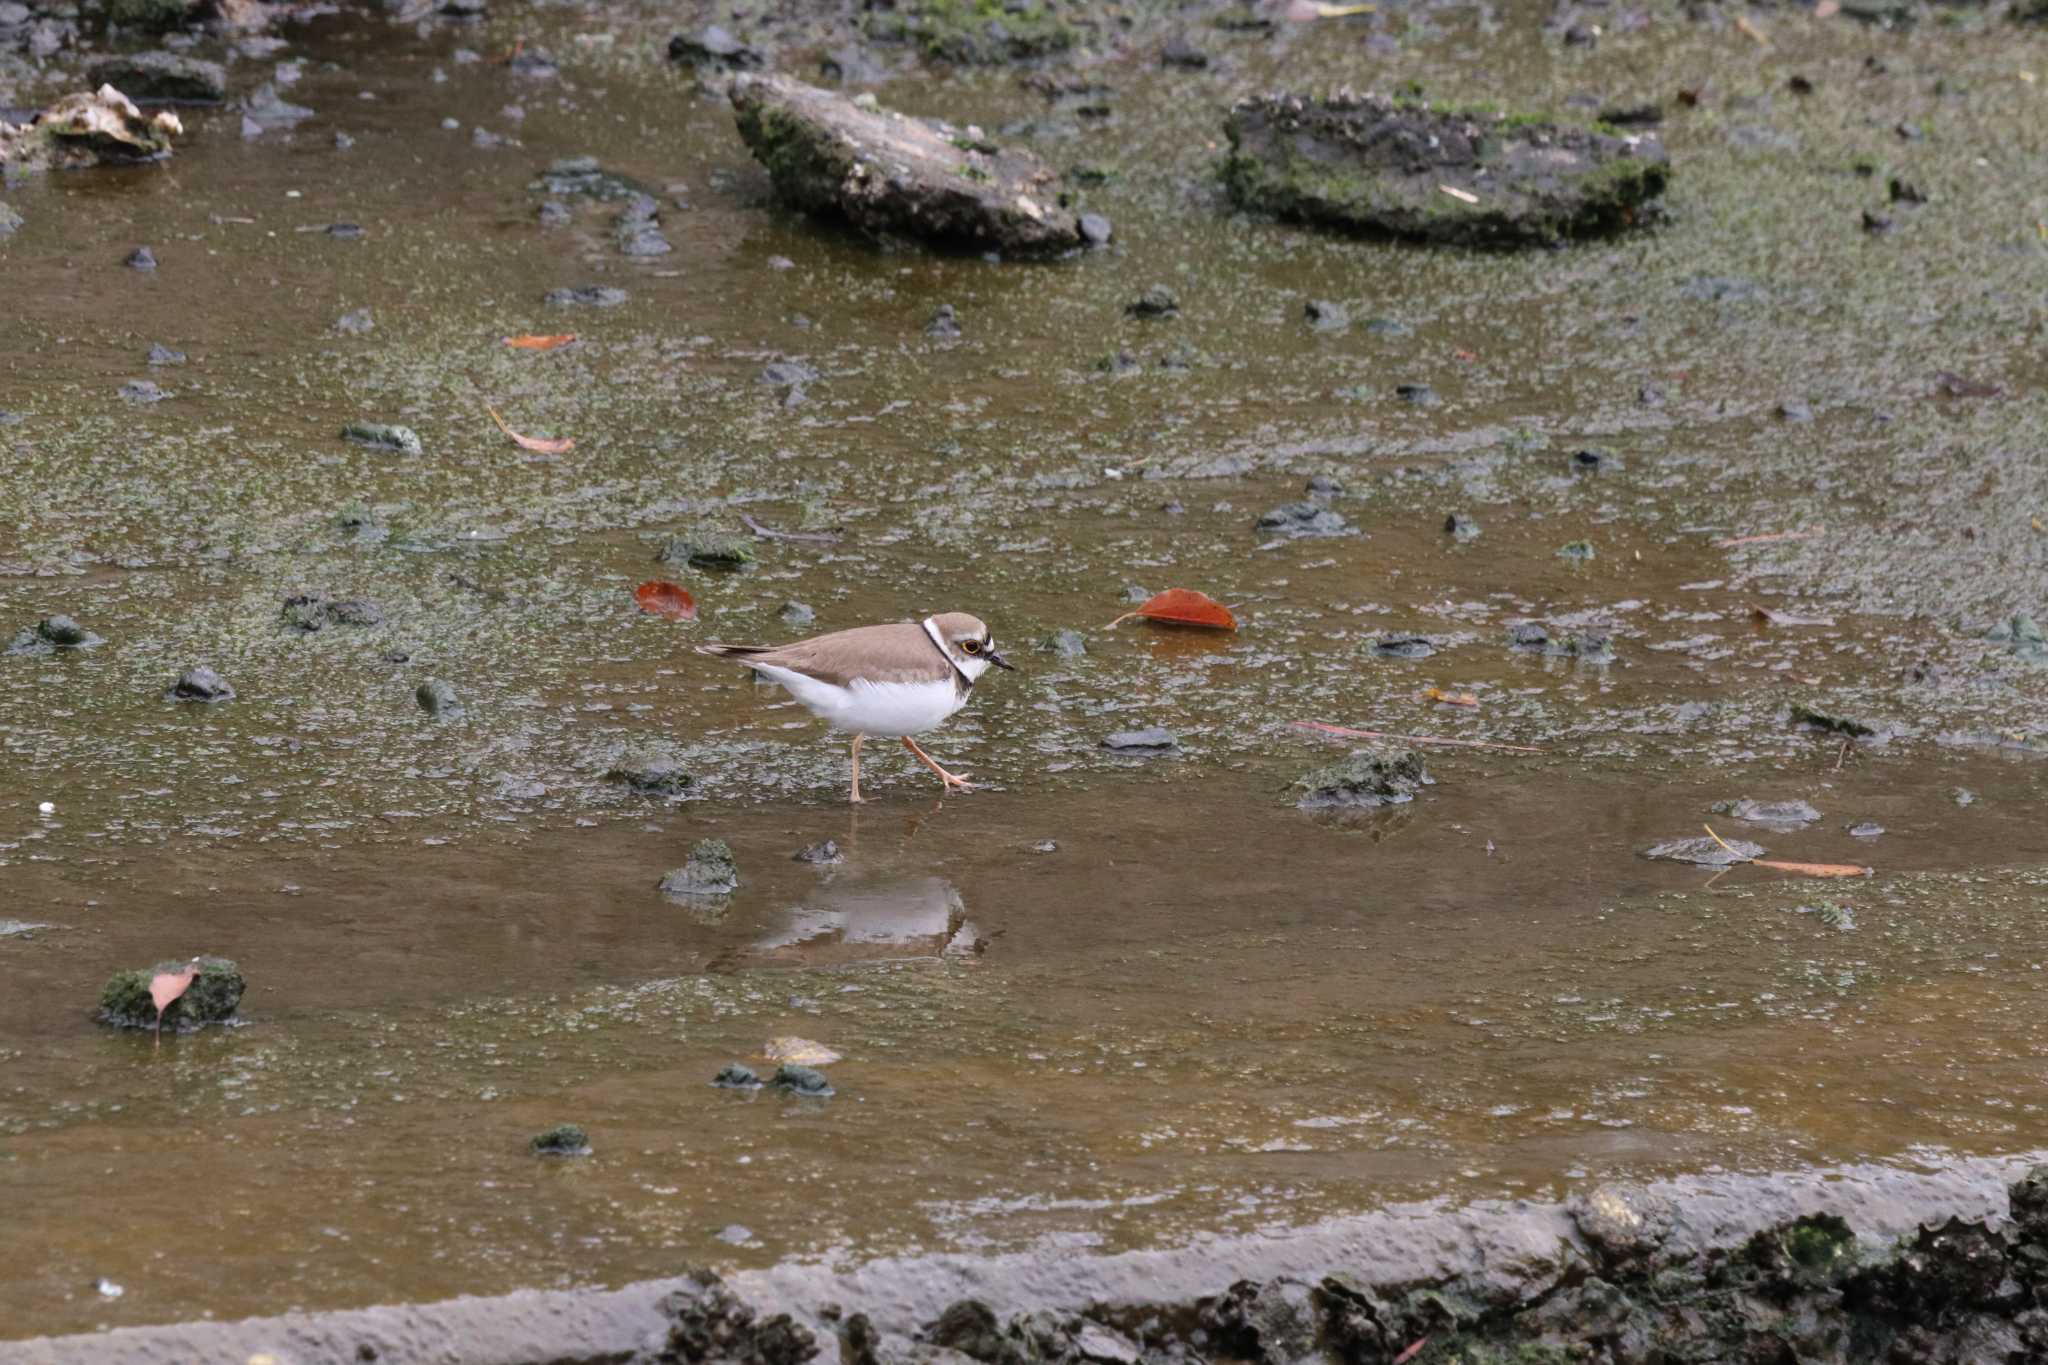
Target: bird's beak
pixel 999 661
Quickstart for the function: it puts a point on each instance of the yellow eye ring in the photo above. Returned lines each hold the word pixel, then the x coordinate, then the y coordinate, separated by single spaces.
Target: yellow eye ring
pixel 971 646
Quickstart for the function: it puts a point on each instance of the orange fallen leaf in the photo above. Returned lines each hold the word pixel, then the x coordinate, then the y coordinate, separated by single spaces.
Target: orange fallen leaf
pixel 539 445
pixel 657 598
pixel 166 987
pixel 1815 869
pixel 1448 698
pixel 529 342
pixel 1182 607
pixel 1414 1349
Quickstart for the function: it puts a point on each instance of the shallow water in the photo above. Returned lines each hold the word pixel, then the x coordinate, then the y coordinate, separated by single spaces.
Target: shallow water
pixel 1203 1011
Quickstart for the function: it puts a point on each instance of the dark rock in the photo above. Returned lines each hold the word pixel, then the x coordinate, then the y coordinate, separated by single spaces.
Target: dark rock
pixel 945 324
pixel 896 176
pixel 1421 395
pixel 1875 222
pixel 1460 527
pixel 586 296
pixel 1365 779
pixel 653 775
pixel 1581 35
pixel 345 232
pixel 710 1325
pixel 384 436
pixel 1591 461
pixel 200 684
pixel 637 230
pixel 160 354
pixel 212 998
pixel 713 46
pixel 142 391
pixel 1632 115
pixel 1323 486
pixel 354 323
pixel 158 77
pixel 1325 316
pixel 970 1327
pixel 1155 740
pixel 311 611
pixel 1067 644
pixel 465 10
pixel 1403 647
pixel 51 634
pixel 1799 85
pixel 825 852
pixel 1794 410
pixel 438 699
pixel 1179 51
pixel 1095 229
pixel 1904 192
pixel 142 258
pixel 1812 718
pixel 1306 519
pixel 735 1076
pixel 1784 816
pixel 1156 303
pixel 564 1139
pixel 802 1080
pixel 708 549
pixel 1705 851
pixel 1364 163
pixel 711 871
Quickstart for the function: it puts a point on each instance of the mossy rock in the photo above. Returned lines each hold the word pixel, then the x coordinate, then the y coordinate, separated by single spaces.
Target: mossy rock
pixel 1469 177
pixel 212 998
pixel 1364 780
pixel 711 871
pixel 708 550
pixel 564 1139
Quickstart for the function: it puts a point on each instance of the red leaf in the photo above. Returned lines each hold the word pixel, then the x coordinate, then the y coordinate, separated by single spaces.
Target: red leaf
pixel 539 445
pixel 1414 1350
pixel 166 987
pixel 535 343
pixel 1182 607
pixel 657 598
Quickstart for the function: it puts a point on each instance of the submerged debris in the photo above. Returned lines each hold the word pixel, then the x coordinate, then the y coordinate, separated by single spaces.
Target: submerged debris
pixel 711 871
pixel 384 435
pixel 1705 851
pixel 1778 815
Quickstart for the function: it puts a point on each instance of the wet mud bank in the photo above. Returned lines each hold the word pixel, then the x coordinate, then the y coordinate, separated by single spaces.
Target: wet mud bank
pixel 1862 1263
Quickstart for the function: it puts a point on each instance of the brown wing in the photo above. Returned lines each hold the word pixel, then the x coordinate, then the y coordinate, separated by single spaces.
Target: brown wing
pixel 892 653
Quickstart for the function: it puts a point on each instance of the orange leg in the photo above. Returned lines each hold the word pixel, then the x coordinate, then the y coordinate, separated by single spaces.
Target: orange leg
pixel 953 782
pixel 856 768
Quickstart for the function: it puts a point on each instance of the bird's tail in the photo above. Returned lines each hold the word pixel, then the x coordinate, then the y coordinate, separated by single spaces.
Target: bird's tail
pixel 719 651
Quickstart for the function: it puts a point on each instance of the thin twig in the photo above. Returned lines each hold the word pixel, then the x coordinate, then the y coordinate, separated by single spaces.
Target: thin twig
pixel 1842 755
pixel 770 533
pixel 1413 739
pixel 1805 533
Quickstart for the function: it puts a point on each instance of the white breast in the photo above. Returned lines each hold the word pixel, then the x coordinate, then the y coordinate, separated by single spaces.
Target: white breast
pixel 865 708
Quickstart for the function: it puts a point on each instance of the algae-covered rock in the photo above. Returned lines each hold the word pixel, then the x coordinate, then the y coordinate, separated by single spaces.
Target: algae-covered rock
pixel 51 634
pixel 384 436
pixel 200 684
pixel 802 1080
pixel 711 871
pixel 708 549
pixel 709 1324
pixel 1778 815
pixel 1382 167
pixel 212 998
pixel 101 128
pixel 564 1139
pixel 653 775
pixel 314 611
pixel 158 77
pixel 1363 780
pixel 437 699
pixel 2021 637
pixel 896 176
pixel 736 1076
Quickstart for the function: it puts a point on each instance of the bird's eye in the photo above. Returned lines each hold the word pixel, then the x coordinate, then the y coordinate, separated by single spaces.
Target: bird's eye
pixel 971 646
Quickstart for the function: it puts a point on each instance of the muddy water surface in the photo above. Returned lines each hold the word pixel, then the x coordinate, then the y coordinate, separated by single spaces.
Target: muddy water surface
pixel 1200 1010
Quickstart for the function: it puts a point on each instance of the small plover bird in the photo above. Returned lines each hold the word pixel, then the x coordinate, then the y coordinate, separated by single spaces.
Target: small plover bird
pixel 887 681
